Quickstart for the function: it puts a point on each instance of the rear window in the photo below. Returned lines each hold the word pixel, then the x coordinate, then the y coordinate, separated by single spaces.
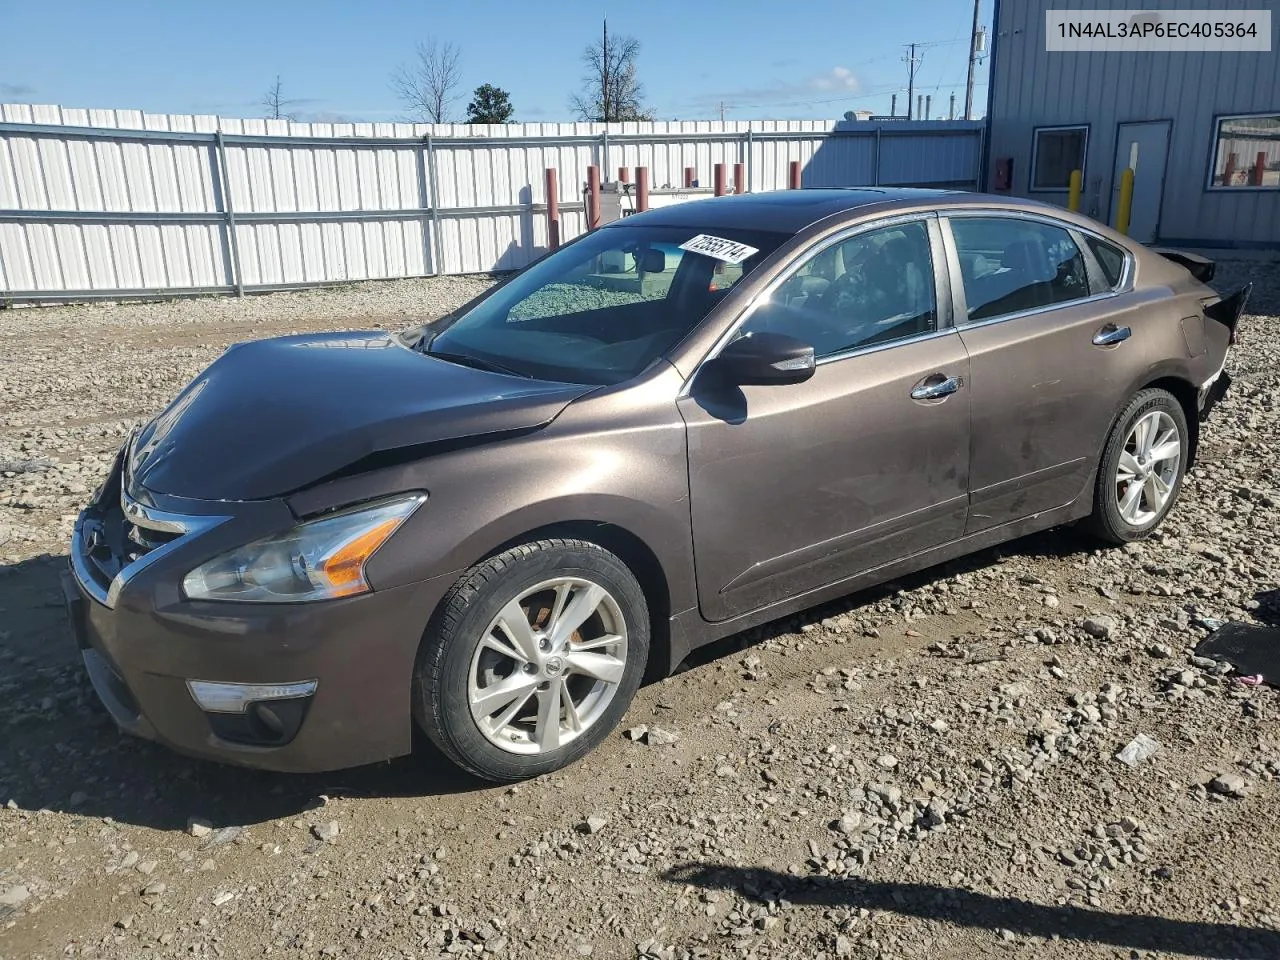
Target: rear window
pixel 1110 258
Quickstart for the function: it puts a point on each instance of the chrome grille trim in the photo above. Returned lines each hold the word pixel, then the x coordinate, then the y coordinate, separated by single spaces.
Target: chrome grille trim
pixel 175 525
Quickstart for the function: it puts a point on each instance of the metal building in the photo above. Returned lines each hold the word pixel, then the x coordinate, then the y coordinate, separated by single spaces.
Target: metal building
pixel 1201 129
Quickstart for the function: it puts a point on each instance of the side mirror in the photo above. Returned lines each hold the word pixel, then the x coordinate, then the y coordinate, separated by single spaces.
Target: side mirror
pixel 762 359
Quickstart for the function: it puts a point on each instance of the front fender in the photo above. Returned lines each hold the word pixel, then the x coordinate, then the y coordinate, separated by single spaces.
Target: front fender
pixel 483 497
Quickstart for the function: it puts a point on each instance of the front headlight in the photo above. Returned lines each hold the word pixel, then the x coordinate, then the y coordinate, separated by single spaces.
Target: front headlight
pixel 317 560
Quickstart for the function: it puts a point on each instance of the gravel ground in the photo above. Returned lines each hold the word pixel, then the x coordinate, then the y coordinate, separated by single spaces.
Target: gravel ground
pixel 927 769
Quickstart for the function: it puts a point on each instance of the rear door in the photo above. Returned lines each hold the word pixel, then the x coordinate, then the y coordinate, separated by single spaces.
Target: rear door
pixel 1049 357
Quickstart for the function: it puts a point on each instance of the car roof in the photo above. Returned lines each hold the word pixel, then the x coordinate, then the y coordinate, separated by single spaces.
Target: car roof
pixel 782 211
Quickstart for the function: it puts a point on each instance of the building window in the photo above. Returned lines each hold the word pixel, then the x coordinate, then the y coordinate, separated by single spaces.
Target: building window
pixel 1246 153
pixel 1055 152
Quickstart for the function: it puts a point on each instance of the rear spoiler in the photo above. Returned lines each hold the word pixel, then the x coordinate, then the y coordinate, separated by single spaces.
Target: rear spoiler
pixel 1202 268
pixel 1227 311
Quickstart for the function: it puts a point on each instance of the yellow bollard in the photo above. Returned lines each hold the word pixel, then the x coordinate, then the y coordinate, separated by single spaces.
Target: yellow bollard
pixel 1073 192
pixel 1126 201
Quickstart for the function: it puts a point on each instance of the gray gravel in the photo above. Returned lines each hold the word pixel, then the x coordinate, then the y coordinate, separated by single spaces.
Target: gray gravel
pixel 926 770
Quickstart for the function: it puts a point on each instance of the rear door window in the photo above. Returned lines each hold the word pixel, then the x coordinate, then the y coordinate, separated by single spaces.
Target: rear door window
pixel 1010 265
pixel 1110 258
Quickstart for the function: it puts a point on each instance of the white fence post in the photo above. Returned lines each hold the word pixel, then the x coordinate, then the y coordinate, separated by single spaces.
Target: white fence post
pixel 218 159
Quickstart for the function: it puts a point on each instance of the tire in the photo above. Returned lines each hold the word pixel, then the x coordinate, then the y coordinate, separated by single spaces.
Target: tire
pixel 477 660
pixel 1121 512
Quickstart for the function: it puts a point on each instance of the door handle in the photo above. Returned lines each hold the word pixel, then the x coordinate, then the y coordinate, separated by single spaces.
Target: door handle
pixel 936 390
pixel 1110 335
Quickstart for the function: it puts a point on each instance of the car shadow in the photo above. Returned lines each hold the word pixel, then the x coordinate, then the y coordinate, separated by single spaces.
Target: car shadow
pixel 967 908
pixel 62 752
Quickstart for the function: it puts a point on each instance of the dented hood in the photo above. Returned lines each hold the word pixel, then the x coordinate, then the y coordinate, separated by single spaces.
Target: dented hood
pixel 273 416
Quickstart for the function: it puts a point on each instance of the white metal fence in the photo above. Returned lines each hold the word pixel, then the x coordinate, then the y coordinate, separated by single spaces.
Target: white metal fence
pixel 116 203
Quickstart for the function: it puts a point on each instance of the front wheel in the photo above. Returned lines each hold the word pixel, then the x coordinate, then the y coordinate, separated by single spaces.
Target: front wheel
pixel 532 659
pixel 1141 470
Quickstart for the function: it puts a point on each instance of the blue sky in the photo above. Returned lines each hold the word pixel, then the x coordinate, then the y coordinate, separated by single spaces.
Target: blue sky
pixel 762 58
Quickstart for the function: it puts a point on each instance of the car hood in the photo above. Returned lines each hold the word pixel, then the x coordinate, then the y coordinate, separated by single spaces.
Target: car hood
pixel 272 416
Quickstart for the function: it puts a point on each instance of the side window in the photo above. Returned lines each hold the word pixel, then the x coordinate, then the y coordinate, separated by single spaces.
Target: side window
pixel 1012 265
pixel 1110 258
pixel 875 287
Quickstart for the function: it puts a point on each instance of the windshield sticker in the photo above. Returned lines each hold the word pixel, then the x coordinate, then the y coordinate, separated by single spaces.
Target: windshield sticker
pixel 728 251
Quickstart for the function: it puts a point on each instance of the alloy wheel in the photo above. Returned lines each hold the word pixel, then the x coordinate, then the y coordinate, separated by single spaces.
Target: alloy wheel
pixel 548 665
pixel 1148 468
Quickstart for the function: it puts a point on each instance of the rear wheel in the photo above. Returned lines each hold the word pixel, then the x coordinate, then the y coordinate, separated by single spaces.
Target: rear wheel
pixel 532 659
pixel 1140 474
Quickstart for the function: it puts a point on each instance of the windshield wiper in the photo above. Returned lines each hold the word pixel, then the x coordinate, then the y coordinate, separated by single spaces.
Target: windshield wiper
pixel 479 363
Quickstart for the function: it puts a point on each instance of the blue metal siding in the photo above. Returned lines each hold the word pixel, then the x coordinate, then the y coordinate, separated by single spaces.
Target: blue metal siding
pixel 1032 88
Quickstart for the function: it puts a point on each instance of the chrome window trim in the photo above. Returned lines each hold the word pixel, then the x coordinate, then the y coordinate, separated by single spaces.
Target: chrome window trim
pixel 804 256
pixel 887 345
pixel 1127 271
pixel 1036 311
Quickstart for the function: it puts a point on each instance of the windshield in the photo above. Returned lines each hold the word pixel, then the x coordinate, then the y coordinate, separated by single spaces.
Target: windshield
pixel 604 308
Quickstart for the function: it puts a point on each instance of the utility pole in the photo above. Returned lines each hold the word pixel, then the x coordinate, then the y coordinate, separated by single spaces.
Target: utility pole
pixel 723 107
pixel 973 60
pixel 951 113
pixel 912 63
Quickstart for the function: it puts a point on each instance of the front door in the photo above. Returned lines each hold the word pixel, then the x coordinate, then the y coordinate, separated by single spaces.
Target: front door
pixel 1145 148
pixel 797 487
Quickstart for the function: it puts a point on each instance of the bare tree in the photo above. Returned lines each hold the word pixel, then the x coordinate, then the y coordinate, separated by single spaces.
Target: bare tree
pixel 428 86
pixel 611 92
pixel 275 104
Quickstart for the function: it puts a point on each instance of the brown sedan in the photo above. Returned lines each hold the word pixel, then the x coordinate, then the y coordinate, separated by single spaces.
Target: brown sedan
pixel 689 422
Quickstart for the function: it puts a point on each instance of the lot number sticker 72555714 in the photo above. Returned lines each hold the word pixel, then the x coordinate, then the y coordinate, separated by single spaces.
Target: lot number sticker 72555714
pixel 729 251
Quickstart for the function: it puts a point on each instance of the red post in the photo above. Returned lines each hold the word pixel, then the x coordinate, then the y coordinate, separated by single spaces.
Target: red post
pixel 593 197
pixel 793 175
pixel 688 176
pixel 721 189
pixel 642 189
pixel 739 178
pixel 1229 174
pixel 1259 167
pixel 624 174
pixel 553 210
